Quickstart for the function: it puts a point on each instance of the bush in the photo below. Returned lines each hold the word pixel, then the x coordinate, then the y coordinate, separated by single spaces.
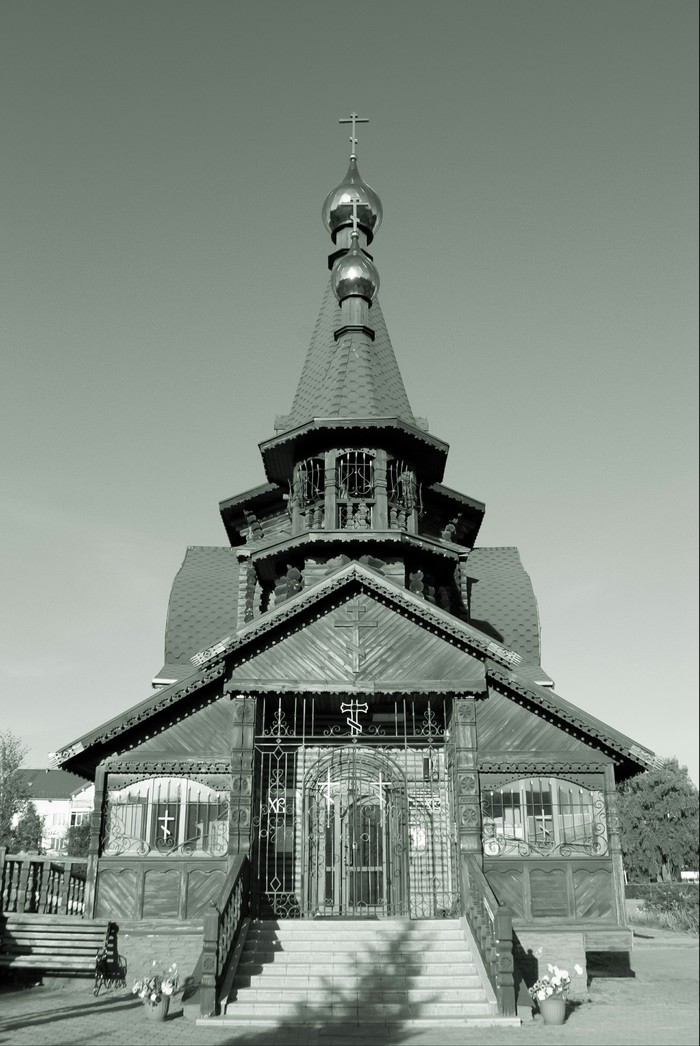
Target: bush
pixel 674 906
pixel 649 891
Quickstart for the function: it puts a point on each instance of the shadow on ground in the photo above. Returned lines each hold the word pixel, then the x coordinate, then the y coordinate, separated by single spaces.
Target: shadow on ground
pixel 366 1002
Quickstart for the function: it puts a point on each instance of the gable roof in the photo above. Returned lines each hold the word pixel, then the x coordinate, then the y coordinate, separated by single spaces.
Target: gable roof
pixel 50 784
pixel 352 378
pixel 203 604
pixel 294 615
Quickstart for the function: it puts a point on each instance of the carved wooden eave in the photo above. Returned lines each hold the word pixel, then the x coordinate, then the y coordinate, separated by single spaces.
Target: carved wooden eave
pixel 354 542
pixel 428 453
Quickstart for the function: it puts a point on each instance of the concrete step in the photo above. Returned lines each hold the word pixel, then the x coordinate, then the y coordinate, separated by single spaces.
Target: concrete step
pixel 361 1012
pixel 274 980
pixel 362 996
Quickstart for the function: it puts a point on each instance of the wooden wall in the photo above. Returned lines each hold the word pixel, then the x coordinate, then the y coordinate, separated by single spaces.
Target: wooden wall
pixel 563 890
pixel 139 888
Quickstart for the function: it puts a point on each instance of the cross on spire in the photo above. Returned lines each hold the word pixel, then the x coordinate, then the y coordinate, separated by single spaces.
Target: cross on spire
pixel 354 119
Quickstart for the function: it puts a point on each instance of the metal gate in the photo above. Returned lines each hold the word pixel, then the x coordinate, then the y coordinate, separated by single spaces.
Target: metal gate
pixel 352 815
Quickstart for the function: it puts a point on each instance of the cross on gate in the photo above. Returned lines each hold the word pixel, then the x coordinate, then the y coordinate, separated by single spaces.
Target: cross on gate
pixel 379 787
pixel 354 609
pixel 353 707
pixel 163 819
pixel 354 119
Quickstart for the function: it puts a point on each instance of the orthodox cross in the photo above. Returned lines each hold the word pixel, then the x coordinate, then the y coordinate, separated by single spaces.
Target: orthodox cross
pixel 163 820
pixel 354 200
pixel 354 609
pixel 354 119
pixel 353 707
pixel 379 787
pixel 326 790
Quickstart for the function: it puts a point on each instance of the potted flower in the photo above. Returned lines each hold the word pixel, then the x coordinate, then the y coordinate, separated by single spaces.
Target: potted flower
pixel 550 992
pixel 155 991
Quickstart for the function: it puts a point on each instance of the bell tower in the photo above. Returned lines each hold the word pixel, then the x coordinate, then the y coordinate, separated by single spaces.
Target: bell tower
pixel 353 473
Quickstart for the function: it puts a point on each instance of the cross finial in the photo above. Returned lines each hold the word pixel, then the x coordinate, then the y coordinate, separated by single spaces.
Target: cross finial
pixel 354 119
pixel 354 200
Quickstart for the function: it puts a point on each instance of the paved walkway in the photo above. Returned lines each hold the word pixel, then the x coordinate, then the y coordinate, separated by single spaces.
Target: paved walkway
pixel 658 1007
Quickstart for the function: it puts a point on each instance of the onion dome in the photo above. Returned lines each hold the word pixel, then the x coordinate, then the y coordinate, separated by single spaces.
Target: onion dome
pixel 337 208
pixel 354 275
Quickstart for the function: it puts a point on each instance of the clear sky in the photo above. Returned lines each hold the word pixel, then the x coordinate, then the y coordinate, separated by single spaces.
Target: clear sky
pixel 163 261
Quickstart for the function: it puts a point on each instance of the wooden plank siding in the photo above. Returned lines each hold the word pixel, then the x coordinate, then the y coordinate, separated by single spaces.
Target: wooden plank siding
pixel 205 734
pixel 554 890
pixel 391 650
pixel 139 888
pixel 504 726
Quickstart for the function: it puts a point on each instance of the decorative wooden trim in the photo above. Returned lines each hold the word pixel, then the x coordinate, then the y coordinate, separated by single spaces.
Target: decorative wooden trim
pixel 496 773
pixel 192 768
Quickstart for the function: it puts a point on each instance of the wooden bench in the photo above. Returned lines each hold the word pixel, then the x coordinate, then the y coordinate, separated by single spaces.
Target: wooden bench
pixel 56 944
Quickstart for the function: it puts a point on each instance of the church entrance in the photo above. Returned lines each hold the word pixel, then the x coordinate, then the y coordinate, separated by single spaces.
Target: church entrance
pixel 352 812
pixel 356 835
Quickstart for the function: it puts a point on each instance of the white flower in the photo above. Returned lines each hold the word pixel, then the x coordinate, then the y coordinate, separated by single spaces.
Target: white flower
pixel 542 994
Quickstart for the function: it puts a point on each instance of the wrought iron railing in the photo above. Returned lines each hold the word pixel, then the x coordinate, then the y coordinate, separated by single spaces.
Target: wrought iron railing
pixel 33 885
pixel 222 926
pixel 492 926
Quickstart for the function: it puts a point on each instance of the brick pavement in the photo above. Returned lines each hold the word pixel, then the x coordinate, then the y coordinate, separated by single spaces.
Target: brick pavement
pixel 658 1007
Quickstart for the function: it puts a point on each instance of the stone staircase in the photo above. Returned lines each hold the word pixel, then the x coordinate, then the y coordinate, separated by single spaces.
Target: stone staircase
pixel 388 971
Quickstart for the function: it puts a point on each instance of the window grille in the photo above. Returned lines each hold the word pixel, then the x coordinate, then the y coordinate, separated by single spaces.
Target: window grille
pixel 309 492
pixel 355 490
pixel 401 493
pixel 165 815
pixel 543 816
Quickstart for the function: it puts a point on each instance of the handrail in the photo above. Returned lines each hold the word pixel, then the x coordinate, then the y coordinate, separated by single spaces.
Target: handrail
pixel 492 925
pixel 222 925
pixel 34 885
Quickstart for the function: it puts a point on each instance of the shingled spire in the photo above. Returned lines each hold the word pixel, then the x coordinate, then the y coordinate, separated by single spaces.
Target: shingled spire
pixel 350 369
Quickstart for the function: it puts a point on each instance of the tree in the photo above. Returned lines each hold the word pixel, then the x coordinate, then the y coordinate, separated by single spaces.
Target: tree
pixel 658 813
pixel 27 833
pixel 13 787
pixel 78 840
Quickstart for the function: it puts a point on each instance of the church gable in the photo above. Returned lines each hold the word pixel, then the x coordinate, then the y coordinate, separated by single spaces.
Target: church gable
pixel 366 644
pixel 205 734
pixel 503 726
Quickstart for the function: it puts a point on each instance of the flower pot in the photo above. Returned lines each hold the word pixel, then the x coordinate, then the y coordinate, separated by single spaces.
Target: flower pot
pixel 553 1009
pixel 157 1011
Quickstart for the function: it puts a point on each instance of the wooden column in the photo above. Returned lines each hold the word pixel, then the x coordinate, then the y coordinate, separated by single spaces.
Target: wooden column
pixel 613 826
pixel 466 779
pixel 330 522
pixel 242 745
pixel 381 508
pixel 96 819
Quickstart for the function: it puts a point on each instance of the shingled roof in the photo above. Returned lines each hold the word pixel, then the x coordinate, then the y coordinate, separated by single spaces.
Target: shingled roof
pixel 203 603
pixel 352 378
pixel 502 602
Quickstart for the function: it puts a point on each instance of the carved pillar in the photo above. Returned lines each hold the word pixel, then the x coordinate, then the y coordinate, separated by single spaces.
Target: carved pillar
pixel 242 748
pixel 96 833
pixel 330 488
pixel 466 778
pixel 613 826
pixel 381 509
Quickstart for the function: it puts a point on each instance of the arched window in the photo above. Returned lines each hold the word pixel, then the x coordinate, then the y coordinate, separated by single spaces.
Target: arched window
pixel 165 815
pixel 543 816
pixel 355 490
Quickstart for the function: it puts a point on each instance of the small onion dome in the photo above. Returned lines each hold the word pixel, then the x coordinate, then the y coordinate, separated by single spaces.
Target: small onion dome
pixel 354 275
pixel 337 208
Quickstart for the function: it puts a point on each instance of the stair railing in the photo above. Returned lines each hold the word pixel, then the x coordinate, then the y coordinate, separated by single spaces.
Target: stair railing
pixel 492 926
pixel 222 926
pixel 33 885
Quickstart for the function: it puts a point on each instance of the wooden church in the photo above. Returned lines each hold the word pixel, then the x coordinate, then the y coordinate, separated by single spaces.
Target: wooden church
pixel 352 700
